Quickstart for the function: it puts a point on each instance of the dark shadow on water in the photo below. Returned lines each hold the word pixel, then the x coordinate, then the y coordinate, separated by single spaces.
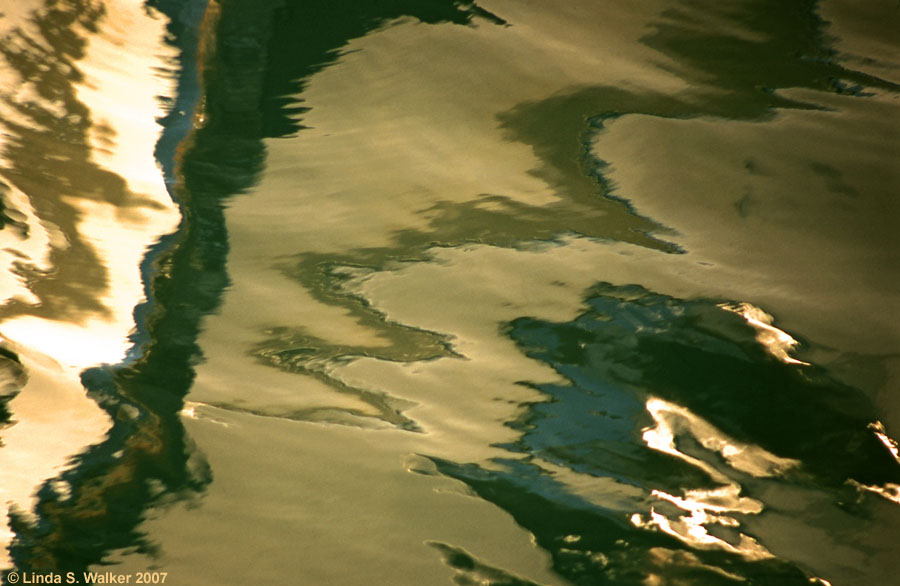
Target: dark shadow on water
pixel 12 378
pixel 593 547
pixel 630 345
pixel 752 47
pixel 308 36
pixel 469 571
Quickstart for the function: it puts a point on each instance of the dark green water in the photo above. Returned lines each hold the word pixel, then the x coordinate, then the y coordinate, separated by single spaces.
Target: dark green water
pixel 437 292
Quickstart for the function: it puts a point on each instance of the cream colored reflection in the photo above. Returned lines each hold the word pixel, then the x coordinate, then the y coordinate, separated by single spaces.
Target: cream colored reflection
pixel 31 244
pixel 124 73
pixel 667 559
pixel 691 529
pixel 14 15
pixel 100 338
pixel 720 505
pixel 672 420
pixel 53 417
pixel 777 342
pixel 890 443
pixel 890 490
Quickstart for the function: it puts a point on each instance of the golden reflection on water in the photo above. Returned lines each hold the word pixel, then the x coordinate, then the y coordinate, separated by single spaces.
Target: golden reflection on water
pixel 81 180
pixel 777 342
pixel 692 529
pixel 672 420
pixel 890 490
pixel 707 507
pixel 889 442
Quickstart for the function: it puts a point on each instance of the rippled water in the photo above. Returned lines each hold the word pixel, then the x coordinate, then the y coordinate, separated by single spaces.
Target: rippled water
pixel 442 292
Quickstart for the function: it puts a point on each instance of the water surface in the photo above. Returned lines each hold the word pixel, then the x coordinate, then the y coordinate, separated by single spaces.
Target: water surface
pixel 452 293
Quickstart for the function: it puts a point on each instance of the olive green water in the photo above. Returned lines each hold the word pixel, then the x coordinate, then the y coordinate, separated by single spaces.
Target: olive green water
pixel 413 293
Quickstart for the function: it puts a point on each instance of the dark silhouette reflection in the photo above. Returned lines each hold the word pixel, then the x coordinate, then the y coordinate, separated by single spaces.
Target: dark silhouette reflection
pixel 593 547
pixel 12 378
pixel 630 345
pixel 759 46
pixel 470 571
pixel 290 40
pixel 97 504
